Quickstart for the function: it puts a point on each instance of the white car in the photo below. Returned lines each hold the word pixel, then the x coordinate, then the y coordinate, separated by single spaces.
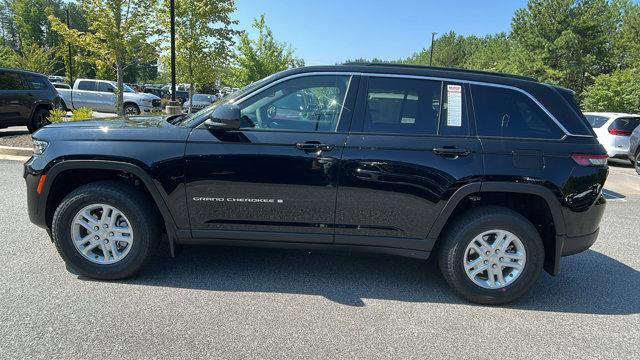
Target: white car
pixel 614 130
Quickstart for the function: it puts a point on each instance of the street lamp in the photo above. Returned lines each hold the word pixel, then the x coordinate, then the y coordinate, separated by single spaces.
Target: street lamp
pixel 174 106
pixel 433 35
pixel 172 12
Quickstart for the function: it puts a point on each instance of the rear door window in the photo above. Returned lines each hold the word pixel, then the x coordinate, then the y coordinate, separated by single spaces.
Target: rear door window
pixel 402 106
pixel 87 85
pixel 503 112
pixel 12 81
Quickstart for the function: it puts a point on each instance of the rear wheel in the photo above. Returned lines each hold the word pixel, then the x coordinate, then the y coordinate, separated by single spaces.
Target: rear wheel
pixel 491 255
pixel 637 163
pixel 105 230
pixel 39 119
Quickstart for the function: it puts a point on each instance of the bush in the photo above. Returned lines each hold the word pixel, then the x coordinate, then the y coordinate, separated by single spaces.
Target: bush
pixel 81 114
pixel 56 115
pixel 615 92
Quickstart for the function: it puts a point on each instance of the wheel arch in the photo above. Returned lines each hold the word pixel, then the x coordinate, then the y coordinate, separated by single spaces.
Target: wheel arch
pixel 71 167
pixel 503 193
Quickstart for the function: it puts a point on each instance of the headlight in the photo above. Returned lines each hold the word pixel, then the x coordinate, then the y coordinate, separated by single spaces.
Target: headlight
pixel 39 146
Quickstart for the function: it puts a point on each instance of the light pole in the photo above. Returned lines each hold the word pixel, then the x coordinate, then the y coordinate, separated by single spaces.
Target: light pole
pixel 172 12
pixel 70 59
pixel 174 106
pixel 433 35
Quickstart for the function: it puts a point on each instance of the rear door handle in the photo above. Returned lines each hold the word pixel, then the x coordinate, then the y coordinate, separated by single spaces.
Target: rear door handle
pixel 451 152
pixel 312 146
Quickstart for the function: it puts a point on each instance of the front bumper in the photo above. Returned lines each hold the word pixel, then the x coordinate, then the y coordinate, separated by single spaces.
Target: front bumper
pixel 576 244
pixel 150 109
pixel 35 207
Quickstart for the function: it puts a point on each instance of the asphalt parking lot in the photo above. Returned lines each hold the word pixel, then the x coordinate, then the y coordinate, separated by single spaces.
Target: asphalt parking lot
pixel 240 303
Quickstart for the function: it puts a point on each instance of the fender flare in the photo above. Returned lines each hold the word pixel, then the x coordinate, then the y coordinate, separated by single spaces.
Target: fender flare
pixel 552 260
pixel 136 170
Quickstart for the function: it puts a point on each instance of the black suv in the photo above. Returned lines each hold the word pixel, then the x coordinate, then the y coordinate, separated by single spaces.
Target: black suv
pixel 25 99
pixel 498 176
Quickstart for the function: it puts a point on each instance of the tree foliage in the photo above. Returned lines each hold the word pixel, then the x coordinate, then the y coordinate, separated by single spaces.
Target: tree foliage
pixel 615 92
pixel 118 31
pixel 260 57
pixel 204 37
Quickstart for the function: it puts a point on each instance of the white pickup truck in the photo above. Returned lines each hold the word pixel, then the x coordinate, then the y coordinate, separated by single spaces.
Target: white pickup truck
pixel 100 95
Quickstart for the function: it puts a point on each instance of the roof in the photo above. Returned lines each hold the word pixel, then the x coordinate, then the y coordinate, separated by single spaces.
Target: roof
pixel 20 71
pixel 610 114
pixel 417 70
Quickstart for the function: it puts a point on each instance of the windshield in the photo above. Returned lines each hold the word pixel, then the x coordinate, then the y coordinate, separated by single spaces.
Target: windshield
pixel 196 118
pixel 126 88
pixel 596 121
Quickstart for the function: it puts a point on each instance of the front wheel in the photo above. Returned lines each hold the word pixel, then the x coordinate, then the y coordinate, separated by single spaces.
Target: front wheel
pixel 131 109
pixel 105 230
pixel 637 163
pixel 491 255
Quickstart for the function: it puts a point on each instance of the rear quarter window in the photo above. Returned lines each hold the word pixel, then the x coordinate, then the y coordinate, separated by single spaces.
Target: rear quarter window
pixel 596 121
pixel 504 112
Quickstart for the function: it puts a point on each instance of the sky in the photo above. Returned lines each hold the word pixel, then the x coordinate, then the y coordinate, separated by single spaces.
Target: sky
pixel 332 31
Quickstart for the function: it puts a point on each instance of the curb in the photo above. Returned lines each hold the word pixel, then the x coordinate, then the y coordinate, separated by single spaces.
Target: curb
pixel 15 151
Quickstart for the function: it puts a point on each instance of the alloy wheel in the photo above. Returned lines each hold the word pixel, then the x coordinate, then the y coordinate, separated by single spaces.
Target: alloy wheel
pixel 494 259
pixel 102 234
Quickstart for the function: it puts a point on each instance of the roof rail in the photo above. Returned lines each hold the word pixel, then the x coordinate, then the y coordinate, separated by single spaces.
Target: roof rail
pixel 412 66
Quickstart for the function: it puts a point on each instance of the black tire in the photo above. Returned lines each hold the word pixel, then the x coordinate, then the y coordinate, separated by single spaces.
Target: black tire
pixel 38 120
pixel 63 105
pixel 462 231
pixel 636 163
pixel 138 209
pixel 131 109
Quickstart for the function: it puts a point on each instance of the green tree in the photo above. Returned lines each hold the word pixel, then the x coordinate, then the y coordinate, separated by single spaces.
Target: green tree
pixel 260 57
pixel 117 29
pixel 34 58
pixel 569 41
pixel 203 39
pixel 615 92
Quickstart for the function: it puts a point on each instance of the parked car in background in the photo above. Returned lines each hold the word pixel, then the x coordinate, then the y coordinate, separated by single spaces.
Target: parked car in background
pixel 634 148
pixel 181 95
pixel 200 101
pixel 57 79
pixel 26 99
pixel 100 95
pixel 157 91
pixel 61 86
pixel 614 130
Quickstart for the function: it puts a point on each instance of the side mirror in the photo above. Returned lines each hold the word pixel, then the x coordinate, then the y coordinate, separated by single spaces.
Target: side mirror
pixel 225 117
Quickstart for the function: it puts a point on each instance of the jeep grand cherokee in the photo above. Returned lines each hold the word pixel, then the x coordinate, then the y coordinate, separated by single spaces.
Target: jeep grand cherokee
pixel 498 176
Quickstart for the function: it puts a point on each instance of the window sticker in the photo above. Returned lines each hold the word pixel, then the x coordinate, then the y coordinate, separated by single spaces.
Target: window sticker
pixel 454 108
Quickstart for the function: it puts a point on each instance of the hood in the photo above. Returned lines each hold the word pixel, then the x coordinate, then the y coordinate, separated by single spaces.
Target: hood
pixel 140 95
pixel 124 128
pixel 120 122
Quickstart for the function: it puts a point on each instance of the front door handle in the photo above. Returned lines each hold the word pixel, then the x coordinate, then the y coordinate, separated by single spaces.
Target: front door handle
pixel 451 152
pixel 313 146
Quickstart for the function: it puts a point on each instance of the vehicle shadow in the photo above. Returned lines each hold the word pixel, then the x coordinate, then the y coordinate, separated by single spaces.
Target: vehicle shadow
pixel 612 195
pixel 620 163
pixel 589 283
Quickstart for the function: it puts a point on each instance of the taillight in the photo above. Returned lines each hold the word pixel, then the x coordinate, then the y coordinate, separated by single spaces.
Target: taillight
pixel 620 132
pixel 590 159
